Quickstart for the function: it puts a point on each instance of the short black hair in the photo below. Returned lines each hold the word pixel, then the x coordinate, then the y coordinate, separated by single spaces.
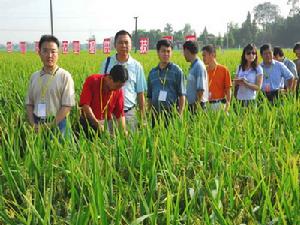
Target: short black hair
pixel 163 42
pixel 121 32
pixel 209 48
pixel 48 38
pixel 119 73
pixel 191 46
pixel 278 51
pixel 265 47
pixel 296 46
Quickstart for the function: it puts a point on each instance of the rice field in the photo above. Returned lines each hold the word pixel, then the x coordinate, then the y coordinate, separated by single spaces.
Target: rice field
pixel 241 168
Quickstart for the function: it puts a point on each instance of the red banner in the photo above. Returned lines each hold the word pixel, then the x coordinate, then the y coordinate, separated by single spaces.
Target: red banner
pixel 23 47
pixel 170 38
pixel 106 46
pixel 92 46
pixel 65 46
pixel 36 46
pixel 76 47
pixel 190 38
pixel 9 46
pixel 144 45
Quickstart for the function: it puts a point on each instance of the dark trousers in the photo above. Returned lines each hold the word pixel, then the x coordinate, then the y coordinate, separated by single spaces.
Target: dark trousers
pixel 194 107
pixel 272 96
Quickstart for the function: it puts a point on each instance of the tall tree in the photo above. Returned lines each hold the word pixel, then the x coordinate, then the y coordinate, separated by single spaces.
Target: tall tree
pixel 295 7
pixel 266 13
pixel 168 30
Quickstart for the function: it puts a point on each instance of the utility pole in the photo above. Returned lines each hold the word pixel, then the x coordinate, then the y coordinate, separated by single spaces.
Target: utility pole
pixel 51 17
pixel 227 34
pixel 136 35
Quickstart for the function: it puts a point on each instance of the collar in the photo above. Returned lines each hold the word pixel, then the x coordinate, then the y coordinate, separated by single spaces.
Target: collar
pixel 129 60
pixel 43 72
pixel 272 63
pixel 169 65
pixel 194 62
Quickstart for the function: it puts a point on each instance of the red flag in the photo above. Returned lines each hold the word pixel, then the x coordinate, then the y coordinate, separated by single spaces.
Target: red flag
pixel 170 38
pixel 76 47
pixel 23 47
pixel 9 46
pixel 144 45
pixel 106 46
pixel 92 46
pixel 190 38
pixel 65 45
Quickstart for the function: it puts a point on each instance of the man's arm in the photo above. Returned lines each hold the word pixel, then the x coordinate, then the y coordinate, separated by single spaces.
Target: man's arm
pixel 228 99
pixel 62 113
pixel 29 109
pixel 141 102
pixel 290 84
pixel 122 124
pixel 91 117
pixel 181 104
pixel 199 96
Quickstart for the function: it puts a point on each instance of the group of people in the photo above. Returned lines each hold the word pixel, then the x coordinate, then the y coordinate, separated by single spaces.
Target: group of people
pixel 118 91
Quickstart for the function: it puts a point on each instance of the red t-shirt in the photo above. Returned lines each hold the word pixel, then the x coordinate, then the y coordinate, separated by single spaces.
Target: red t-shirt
pixel 90 96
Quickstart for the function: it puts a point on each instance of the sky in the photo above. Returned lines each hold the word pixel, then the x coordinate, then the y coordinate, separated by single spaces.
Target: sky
pixel 27 20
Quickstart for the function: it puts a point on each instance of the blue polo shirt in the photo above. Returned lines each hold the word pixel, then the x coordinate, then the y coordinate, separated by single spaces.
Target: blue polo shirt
pixel 197 81
pixel 273 75
pixel 169 79
pixel 136 82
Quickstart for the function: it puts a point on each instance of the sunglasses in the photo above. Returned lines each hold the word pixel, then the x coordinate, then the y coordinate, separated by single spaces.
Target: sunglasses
pixel 249 53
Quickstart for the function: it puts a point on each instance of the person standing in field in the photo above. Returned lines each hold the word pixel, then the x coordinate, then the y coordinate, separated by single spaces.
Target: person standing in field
pixel 197 85
pixel 296 50
pixel 51 94
pixel 279 56
pixel 274 72
pixel 166 88
pixel 219 80
pixel 101 97
pixel 249 76
pixel 136 84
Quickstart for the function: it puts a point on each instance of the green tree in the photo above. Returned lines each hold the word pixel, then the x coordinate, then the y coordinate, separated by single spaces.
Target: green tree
pixel 168 30
pixel 266 13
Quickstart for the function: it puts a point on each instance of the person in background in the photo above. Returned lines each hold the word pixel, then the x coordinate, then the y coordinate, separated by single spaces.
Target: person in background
pixel 51 93
pixel 274 72
pixel 249 76
pixel 136 85
pixel 219 80
pixel 166 88
pixel 279 56
pixel 296 50
pixel 197 85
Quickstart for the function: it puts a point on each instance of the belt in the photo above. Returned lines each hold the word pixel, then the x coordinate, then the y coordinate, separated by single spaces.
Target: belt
pixel 128 109
pixel 223 100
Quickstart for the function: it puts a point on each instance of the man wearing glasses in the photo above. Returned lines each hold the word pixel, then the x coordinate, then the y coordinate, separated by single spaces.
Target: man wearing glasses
pixel 51 90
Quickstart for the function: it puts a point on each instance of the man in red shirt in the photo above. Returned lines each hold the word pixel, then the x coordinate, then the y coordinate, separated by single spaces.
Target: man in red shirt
pixel 102 97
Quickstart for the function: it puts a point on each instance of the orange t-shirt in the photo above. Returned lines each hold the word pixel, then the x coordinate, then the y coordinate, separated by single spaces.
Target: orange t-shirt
pixel 219 82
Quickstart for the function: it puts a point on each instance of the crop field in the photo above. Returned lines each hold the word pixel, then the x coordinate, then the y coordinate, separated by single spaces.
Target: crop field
pixel 240 168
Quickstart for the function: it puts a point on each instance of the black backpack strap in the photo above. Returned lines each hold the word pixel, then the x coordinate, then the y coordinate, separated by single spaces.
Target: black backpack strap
pixel 107 64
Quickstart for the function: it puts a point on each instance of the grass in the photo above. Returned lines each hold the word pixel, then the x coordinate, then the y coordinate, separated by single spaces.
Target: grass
pixel 212 169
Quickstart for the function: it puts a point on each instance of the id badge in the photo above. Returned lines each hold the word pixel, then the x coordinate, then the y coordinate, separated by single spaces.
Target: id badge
pixel 41 110
pixel 162 96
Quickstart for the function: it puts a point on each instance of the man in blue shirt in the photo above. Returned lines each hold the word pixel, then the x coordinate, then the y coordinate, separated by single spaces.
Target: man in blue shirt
pixel 279 56
pixel 136 85
pixel 197 85
pixel 274 72
pixel 165 84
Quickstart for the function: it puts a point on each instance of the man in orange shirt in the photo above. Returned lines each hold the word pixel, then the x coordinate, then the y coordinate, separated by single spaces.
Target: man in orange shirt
pixel 219 80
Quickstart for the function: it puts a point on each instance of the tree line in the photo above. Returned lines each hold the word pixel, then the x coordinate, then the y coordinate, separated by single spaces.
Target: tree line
pixel 263 25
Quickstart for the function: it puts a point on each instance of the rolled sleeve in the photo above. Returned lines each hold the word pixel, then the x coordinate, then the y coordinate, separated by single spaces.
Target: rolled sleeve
pixel 141 85
pixel 181 87
pixel 29 98
pixel 68 94
pixel 200 79
pixel 86 93
pixel 286 73
pixel 119 107
pixel 228 83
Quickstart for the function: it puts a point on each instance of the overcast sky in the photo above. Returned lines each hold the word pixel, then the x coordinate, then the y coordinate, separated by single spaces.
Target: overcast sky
pixel 27 20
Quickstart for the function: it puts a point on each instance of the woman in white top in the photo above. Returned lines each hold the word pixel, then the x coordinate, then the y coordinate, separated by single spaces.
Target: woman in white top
pixel 249 76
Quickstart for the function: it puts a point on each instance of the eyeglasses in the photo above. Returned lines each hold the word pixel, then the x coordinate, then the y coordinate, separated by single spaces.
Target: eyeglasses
pixel 249 53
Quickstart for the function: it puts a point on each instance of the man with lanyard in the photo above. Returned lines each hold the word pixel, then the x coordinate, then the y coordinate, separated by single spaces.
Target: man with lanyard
pixel 166 88
pixel 136 85
pixel 274 72
pixel 219 80
pixel 197 85
pixel 102 97
pixel 51 91
pixel 279 56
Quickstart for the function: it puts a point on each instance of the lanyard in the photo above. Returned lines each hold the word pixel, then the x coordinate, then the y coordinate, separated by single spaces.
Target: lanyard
pixel 44 88
pixel 101 103
pixel 267 75
pixel 163 82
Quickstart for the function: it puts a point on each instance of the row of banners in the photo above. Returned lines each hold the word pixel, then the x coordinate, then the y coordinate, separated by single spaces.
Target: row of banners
pixel 144 45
